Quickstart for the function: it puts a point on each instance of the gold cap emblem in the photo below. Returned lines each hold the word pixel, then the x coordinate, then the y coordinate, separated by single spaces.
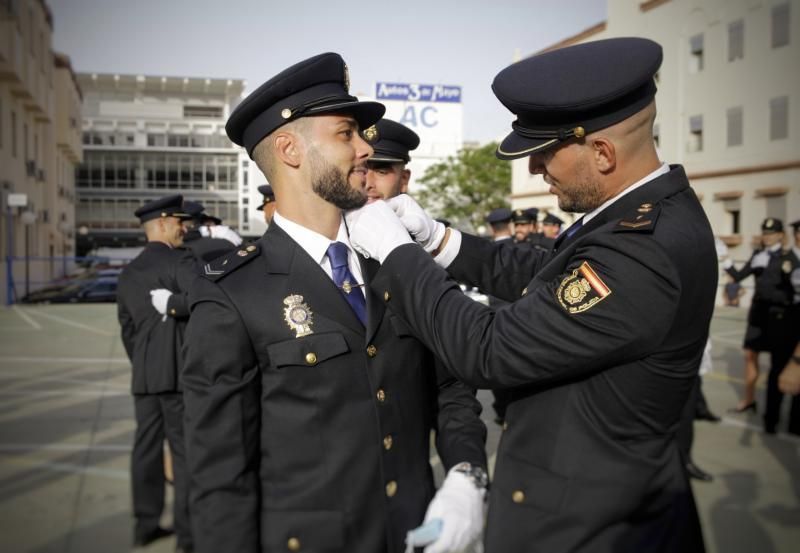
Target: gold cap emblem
pixel 298 315
pixel 286 113
pixel 579 132
pixel 346 79
pixel 370 134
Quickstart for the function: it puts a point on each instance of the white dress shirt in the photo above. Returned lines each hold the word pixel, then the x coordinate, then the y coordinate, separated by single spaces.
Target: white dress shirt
pixel 316 245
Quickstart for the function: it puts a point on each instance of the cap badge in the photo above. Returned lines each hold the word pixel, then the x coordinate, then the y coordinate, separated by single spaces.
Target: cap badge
pixel 769 223
pixel 370 134
pixel 286 113
pixel 579 132
pixel 298 315
pixel 787 266
pixel 346 79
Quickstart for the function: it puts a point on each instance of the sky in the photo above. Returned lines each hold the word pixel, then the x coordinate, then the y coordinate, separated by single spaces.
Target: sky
pixel 464 43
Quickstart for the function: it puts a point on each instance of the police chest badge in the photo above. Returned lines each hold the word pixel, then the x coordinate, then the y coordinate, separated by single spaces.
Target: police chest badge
pixel 298 315
pixel 581 290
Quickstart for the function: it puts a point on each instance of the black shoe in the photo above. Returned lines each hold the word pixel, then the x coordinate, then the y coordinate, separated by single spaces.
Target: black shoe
pixel 707 415
pixel 141 539
pixel 697 473
pixel 744 408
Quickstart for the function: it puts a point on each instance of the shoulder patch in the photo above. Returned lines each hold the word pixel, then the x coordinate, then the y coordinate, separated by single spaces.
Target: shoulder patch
pixel 581 290
pixel 218 268
pixel 643 219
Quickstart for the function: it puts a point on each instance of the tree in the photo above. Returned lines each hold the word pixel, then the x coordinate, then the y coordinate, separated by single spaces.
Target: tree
pixel 465 187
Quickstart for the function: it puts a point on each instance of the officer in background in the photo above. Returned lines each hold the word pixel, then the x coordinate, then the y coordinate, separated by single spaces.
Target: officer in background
pixel 589 461
pixel 551 226
pixel 789 380
pixel 387 174
pixel 204 246
pixel 152 310
pixel 499 221
pixel 772 295
pixel 268 203
pixel 309 409
pixel 523 225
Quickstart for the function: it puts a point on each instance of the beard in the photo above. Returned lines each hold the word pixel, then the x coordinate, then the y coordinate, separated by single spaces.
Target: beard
pixel 331 184
pixel 583 194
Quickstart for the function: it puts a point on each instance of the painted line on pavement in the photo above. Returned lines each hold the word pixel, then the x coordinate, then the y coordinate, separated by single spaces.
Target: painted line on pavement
pixel 11 448
pixel 114 474
pixel 25 317
pixel 67 322
pixel 60 393
pixel 46 378
pixel 738 423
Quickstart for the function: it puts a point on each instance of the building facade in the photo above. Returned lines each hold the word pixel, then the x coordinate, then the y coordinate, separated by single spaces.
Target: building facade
pixel 40 102
pixel 149 136
pixel 728 107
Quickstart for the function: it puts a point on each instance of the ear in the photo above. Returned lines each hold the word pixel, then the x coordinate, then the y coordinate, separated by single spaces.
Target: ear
pixel 288 149
pixel 604 154
pixel 405 176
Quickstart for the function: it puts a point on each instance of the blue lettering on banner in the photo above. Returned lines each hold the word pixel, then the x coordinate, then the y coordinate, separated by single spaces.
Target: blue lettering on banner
pixel 416 92
pixel 427 117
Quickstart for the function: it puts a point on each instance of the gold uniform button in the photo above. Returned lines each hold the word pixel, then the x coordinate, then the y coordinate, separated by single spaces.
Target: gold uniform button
pixel 391 488
pixel 518 496
pixel 172 311
pixel 387 296
pixel 293 544
pixel 387 442
pixel 372 351
pixel 381 395
pixel 251 248
pixel 311 358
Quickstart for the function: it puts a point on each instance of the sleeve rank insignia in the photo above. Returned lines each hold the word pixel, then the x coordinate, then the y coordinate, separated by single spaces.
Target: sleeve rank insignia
pixel 642 220
pixel 581 290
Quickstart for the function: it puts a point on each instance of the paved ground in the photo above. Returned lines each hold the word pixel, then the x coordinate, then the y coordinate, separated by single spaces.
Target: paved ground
pixel 66 427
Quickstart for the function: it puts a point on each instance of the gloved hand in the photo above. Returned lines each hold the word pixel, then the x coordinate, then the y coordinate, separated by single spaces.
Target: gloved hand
pixel 375 230
pixel 760 260
pixel 159 298
pixel 426 232
pixel 222 231
pixel 459 504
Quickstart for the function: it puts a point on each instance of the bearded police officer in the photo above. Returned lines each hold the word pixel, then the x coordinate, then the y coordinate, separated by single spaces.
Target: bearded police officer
pixel 589 461
pixel 309 409
pixel 152 309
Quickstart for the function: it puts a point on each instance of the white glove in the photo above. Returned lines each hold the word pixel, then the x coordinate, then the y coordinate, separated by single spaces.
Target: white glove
pixel 159 298
pixel 722 249
pixel 760 260
pixel 459 504
pixel 727 263
pixel 427 232
pixel 375 230
pixel 222 231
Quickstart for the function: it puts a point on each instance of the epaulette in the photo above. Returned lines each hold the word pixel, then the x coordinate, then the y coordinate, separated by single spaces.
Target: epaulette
pixel 218 268
pixel 642 220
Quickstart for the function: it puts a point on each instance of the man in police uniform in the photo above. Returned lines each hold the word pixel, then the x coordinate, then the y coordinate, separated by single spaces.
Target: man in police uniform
pixel 309 409
pixel 551 226
pixel 387 174
pixel 152 309
pixel 198 237
pixel 268 204
pixel 526 230
pixel 589 461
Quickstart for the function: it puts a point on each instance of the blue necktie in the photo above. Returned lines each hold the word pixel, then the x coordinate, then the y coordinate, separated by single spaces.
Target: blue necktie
pixel 345 281
pixel 574 228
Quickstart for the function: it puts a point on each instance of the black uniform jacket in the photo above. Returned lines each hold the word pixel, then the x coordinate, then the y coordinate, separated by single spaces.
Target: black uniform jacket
pixel 314 440
pixel 603 348
pixel 206 248
pixel 154 341
pixel 771 284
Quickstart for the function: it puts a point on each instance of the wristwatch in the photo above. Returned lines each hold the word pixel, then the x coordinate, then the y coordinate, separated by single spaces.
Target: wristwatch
pixel 476 474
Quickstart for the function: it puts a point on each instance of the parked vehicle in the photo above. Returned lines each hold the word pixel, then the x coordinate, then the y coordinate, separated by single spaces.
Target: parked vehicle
pixel 79 290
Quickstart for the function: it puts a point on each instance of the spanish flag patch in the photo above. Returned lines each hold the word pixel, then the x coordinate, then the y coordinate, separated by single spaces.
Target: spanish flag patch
pixel 582 290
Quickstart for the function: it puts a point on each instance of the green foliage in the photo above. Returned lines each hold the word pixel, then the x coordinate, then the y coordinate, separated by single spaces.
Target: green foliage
pixel 465 187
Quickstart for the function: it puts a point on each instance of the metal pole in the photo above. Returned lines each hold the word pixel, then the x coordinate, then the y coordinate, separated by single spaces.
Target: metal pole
pixel 27 259
pixel 9 257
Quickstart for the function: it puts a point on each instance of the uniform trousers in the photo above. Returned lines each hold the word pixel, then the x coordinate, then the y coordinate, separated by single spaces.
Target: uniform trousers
pixel 783 333
pixel 159 416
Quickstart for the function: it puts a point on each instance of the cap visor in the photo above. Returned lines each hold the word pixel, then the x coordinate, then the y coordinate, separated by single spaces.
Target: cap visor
pixel 386 158
pixel 366 113
pixel 515 146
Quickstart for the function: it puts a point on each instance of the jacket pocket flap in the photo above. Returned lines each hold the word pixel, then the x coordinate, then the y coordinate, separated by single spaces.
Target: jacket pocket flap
pixel 307 351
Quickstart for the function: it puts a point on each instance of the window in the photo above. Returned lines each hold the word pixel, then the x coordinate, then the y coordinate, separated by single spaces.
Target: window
pixel 780 25
pixel 695 143
pixel 2 130
pixel 779 118
pixel 25 150
pixel 696 53
pixel 214 112
pixel 736 40
pixel 735 126
pixel 734 218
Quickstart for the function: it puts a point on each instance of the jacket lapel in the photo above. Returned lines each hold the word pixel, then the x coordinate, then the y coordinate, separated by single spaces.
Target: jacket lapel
pixel 283 255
